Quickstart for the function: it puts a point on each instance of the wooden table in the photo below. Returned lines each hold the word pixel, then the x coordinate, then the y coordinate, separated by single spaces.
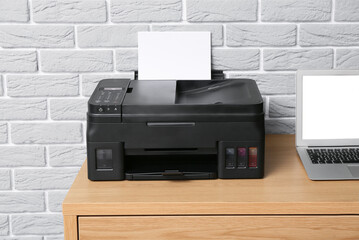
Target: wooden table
pixel 283 205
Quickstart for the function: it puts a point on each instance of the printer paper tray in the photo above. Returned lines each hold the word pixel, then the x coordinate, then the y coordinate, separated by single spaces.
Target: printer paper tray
pixel 172 175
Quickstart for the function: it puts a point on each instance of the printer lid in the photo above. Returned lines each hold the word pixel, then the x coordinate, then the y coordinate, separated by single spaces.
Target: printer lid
pixel 191 100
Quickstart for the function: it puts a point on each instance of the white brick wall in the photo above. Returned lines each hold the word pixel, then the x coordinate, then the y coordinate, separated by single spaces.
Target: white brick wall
pixel 18 202
pixel 44 178
pixel 5 176
pixel 297 11
pixel 37 224
pixel 146 11
pixel 221 11
pixel 76 61
pixel 22 156
pixel 54 52
pixel 35 85
pixel 241 35
pixel 36 36
pixel 109 36
pixel 18 61
pixel 69 11
pixel 14 11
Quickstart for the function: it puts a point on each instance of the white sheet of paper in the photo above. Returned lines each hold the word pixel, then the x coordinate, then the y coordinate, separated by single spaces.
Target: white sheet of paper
pixel 174 55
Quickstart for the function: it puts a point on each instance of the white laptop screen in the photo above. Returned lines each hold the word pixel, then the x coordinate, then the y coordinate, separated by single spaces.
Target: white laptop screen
pixel 330 107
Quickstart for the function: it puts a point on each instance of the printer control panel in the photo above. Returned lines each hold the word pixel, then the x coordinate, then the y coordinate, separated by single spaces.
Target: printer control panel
pixel 109 100
pixel 108 96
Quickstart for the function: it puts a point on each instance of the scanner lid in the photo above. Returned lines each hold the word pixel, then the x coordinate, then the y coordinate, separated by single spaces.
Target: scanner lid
pixel 191 100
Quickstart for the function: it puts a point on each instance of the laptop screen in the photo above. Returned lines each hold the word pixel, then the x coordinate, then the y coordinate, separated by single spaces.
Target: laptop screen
pixel 330 107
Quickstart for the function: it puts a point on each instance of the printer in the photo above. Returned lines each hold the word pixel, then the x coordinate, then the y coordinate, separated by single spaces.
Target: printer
pixel 175 129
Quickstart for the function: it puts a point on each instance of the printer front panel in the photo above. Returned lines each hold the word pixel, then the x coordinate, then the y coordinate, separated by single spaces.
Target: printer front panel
pixel 197 135
pixel 138 147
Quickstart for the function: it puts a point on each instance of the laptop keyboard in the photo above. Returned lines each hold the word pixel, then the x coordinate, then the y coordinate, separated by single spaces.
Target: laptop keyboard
pixel 333 156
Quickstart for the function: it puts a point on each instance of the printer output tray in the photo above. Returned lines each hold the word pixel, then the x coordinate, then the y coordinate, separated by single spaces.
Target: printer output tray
pixel 178 164
pixel 167 175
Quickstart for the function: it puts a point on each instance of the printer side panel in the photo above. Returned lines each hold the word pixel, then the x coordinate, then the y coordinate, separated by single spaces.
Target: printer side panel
pixel 105 161
pixel 243 157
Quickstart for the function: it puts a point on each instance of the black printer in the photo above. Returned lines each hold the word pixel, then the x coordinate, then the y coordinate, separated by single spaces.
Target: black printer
pixel 180 129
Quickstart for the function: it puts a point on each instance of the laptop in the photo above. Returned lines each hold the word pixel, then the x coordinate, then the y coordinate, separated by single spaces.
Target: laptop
pixel 327 123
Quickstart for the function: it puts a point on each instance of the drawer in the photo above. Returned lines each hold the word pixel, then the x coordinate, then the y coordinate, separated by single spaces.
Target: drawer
pixel 219 227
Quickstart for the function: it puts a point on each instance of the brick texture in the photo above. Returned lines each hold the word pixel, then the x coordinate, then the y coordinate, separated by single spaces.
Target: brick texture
pixel 329 35
pixel 22 202
pixel 282 107
pixel 347 58
pixel 261 35
pixel 54 238
pixel 293 59
pixel 1 86
pixel 53 53
pixel 126 60
pixel 109 36
pixel 68 109
pixel 5 183
pixel 216 30
pixel 69 11
pixel 18 61
pixel 64 156
pixel 221 11
pixel 42 85
pixel 36 36
pixel 294 10
pixel 32 133
pixel 3 132
pixel 270 84
pixel 4 225
pixel 44 178
pixel 37 224
pixel 23 109
pixel 14 11
pixel 146 11
pixel 19 156
pixel 55 200
pixel 235 59
pixel 24 238
pixel 346 10
pixel 77 61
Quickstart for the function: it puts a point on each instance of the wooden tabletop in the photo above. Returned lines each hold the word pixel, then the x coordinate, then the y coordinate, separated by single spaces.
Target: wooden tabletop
pixel 285 189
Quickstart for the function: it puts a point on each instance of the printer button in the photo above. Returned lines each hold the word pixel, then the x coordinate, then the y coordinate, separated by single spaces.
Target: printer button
pixel 104 159
pixel 230 159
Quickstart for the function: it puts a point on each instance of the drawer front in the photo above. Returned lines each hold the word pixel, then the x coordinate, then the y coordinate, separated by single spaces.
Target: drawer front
pixel 219 227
